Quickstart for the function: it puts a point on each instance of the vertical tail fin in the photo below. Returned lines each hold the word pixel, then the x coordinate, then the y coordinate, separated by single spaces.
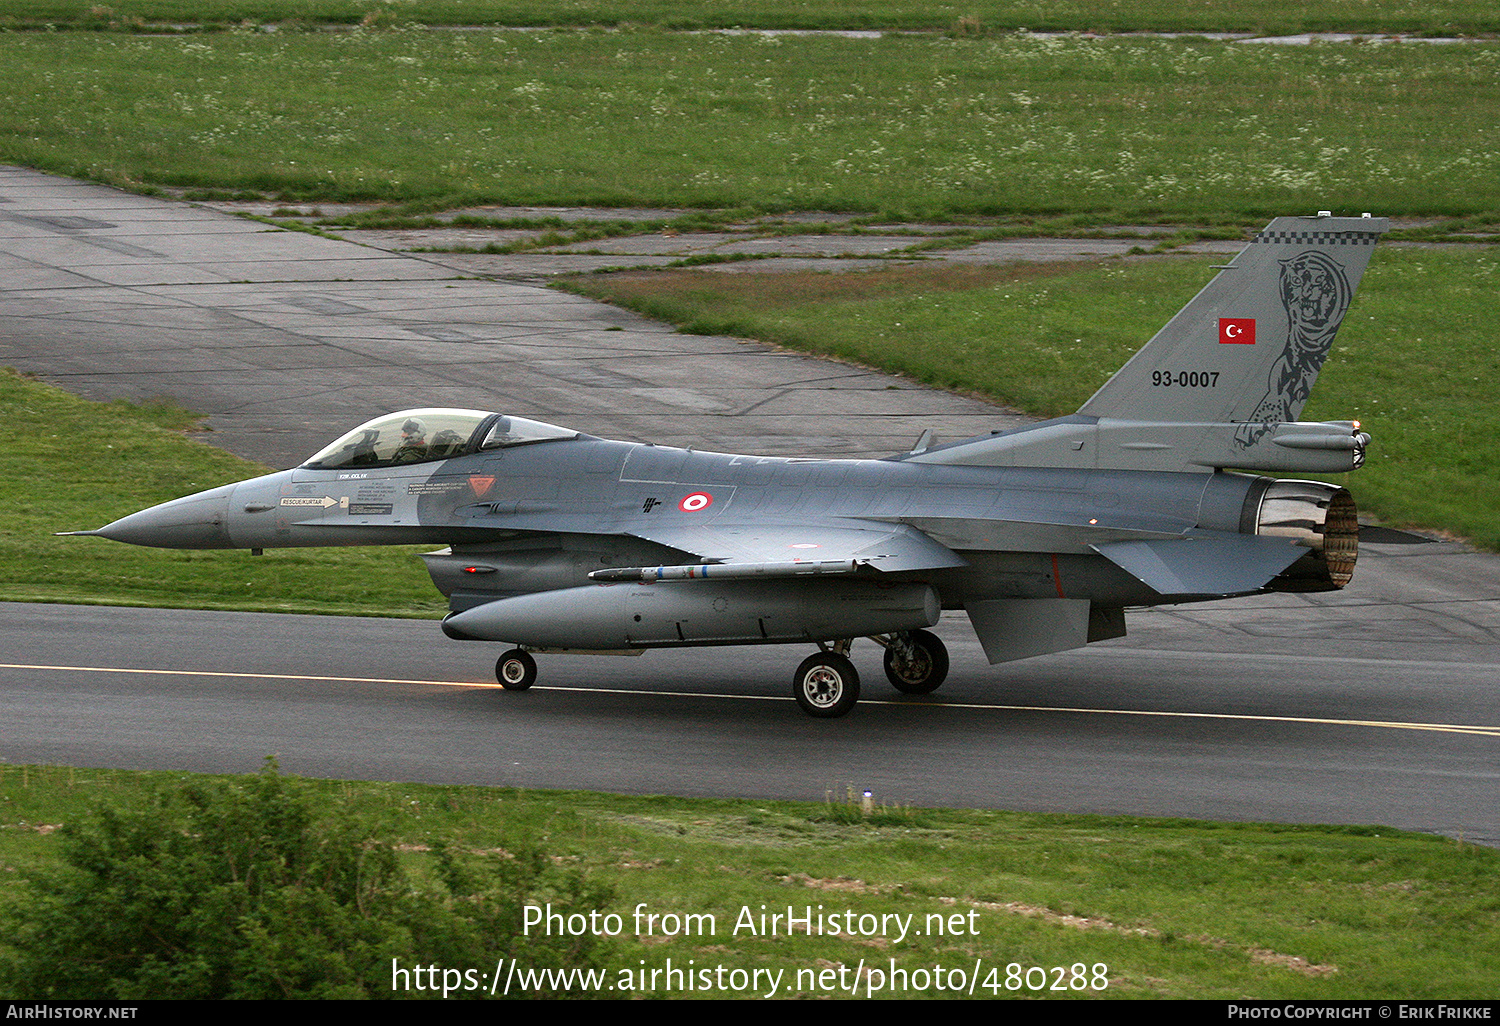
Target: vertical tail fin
pixel 1248 348
pixel 1223 383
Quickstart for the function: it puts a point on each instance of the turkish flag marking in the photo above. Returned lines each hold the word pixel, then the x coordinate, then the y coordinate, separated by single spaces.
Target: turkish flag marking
pixel 1237 331
pixel 480 484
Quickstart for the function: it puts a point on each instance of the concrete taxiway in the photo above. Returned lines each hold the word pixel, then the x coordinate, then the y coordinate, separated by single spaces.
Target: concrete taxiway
pixel 1377 704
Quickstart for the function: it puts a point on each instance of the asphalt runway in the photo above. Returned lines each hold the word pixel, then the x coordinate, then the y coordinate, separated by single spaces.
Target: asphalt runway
pixel 1374 705
pixel 1411 743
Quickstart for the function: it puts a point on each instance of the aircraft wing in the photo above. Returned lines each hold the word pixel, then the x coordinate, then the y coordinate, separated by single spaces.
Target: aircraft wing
pixel 772 549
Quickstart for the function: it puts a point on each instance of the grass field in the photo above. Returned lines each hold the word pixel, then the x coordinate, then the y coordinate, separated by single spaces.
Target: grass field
pixel 905 126
pixel 1269 16
pixel 1173 909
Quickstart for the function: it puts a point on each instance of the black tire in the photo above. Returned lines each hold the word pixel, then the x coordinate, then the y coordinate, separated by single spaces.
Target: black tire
pixel 516 670
pixel 922 674
pixel 826 685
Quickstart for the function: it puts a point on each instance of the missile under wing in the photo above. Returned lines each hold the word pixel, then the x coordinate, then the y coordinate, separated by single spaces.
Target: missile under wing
pixel 558 540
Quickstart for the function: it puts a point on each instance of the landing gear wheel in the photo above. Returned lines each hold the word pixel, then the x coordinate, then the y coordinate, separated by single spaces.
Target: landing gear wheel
pixel 921 667
pixel 516 670
pixel 826 685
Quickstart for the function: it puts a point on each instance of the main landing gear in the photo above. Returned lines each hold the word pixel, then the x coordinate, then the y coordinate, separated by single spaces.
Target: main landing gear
pixel 826 685
pixel 916 662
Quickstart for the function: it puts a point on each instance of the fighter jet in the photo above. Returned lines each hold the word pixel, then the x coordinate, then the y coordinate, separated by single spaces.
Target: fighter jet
pixel 1154 492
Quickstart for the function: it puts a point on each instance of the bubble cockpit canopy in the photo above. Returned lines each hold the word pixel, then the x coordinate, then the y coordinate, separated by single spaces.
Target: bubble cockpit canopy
pixel 417 436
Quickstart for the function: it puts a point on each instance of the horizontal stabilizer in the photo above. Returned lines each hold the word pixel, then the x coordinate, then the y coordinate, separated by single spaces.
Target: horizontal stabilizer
pixel 1204 564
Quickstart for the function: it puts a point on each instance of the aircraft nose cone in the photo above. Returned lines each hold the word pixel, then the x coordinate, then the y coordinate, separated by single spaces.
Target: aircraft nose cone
pixel 195 522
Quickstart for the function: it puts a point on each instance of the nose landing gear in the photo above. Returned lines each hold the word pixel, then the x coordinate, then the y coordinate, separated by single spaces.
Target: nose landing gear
pixel 516 670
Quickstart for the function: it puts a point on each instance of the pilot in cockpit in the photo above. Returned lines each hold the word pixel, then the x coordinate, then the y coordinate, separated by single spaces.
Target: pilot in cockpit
pixel 413 442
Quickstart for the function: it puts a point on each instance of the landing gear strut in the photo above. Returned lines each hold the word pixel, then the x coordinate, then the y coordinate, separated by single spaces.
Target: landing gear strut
pixel 916 662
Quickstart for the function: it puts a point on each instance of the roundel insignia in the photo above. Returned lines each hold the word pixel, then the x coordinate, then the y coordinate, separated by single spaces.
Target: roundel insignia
pixel 695 502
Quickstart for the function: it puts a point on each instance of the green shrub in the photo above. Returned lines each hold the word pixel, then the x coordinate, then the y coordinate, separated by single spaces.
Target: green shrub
pixel 249 890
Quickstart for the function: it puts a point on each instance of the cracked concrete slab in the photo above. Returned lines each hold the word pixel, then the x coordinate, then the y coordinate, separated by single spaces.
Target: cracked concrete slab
pixel 286 339
pixel 748 247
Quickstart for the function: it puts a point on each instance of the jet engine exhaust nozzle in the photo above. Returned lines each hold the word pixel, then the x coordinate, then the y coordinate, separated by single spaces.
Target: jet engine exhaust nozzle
pixel 1324 518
